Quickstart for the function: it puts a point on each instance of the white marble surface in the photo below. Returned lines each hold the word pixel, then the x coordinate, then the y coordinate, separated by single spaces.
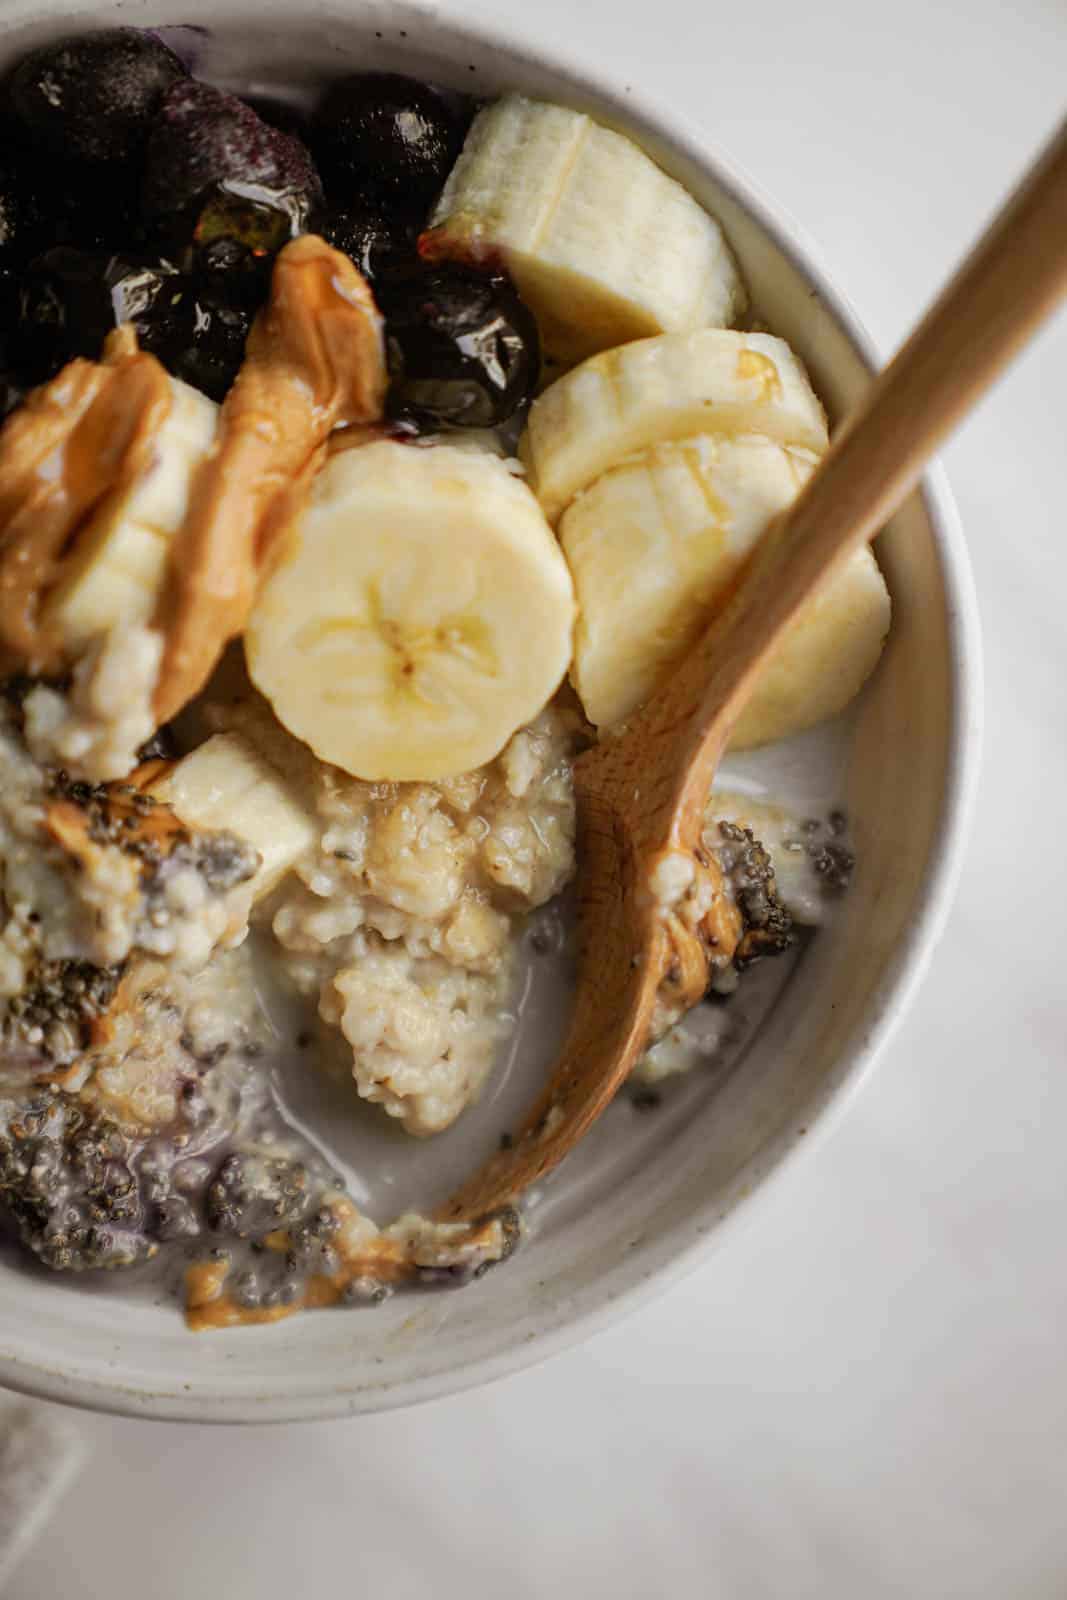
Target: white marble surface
pixel 864 1393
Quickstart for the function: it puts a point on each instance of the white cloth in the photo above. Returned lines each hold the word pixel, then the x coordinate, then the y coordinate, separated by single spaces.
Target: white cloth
pixel 41 1450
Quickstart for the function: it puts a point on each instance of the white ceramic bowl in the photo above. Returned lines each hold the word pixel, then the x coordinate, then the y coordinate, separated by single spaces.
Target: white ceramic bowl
pixel 618 1234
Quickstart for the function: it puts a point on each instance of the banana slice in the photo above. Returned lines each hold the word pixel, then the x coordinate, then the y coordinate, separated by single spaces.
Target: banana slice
pixel 714 381
pixel 120 560
pixel 602 245
pixel 825 658
pixel 654 547
pixel 226 784
pixel 422 613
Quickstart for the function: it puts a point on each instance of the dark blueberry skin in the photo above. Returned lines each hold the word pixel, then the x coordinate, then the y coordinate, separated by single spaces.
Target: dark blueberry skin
pixel 209 353
pixel 463 349
pixel 379 243
pixel 218 176
pixel 19 215
pixel 11 391
pixel 281 115
pixel 92 98
pixel 70 300
pixel 46 202
pixel 378 134
pixel 10 388
pixel 9 301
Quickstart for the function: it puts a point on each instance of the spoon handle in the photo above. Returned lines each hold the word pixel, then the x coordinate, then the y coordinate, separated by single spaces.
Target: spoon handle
pixel 1012 281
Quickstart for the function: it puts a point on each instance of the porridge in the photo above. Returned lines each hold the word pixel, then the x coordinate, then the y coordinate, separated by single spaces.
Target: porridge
pixel 357 476
pixel 399 919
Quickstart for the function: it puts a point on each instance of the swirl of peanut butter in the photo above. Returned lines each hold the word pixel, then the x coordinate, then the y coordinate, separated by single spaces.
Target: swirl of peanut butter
pixel 314 361
pixel 76 441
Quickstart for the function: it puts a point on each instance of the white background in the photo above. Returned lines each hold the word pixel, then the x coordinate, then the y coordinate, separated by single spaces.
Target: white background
pixel 864 1392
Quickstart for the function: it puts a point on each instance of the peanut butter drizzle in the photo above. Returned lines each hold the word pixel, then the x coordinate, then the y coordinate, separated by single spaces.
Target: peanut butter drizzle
pixel 382 1259
pixel 694 951
pixel 75 441
pixel 207 1305
pixel 69 825
pixel 314 360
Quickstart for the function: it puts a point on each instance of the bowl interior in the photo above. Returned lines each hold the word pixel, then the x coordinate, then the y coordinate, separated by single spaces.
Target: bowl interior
pixel 645 1206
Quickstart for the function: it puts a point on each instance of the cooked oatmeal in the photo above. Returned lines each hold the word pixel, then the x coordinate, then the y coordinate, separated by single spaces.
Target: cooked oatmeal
pixel 402 920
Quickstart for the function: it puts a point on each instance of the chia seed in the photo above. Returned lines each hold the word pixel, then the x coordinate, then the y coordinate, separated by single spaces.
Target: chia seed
pixel 834 865
pixel 767 925
pixel 70 1182
pixel 70 992
pixel 364 1292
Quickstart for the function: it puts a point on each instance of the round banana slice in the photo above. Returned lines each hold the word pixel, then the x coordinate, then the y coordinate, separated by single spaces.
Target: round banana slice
pixel 421 613
pixel 534 185
pixel 713 381
pixel 654 547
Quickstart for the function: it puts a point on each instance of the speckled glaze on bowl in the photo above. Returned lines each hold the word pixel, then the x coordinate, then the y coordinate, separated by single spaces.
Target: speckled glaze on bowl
pixel 912 766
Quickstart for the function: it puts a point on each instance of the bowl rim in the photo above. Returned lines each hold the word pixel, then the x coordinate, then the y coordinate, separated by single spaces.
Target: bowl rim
pixel 679 1249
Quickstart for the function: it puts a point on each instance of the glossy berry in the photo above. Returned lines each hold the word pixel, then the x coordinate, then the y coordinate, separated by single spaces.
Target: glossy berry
pixel 70 300
pixel 378 243
pixel 10 216
pixel 387 136
pixel 46 202
pixel 216 174
pixel 207 349
pixel 99 212
pixel 280 114
pixel 19 216
pixel 91 98
pixel 463 348
pixel 11 390
pixel 9 305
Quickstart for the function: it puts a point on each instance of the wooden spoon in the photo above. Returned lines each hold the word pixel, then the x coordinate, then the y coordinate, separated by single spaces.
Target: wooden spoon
pixel 641 795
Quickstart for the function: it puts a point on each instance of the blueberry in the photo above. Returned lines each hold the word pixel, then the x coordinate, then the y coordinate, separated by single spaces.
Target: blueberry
pixel 377 242
pixel 9 304
pixel 384 135
pixel 281 115
pixel 19 215
pixel 70 300
pixel 463 348
pixel 91 98
pixel 45 202
pixel 217 176
pixel 208 351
